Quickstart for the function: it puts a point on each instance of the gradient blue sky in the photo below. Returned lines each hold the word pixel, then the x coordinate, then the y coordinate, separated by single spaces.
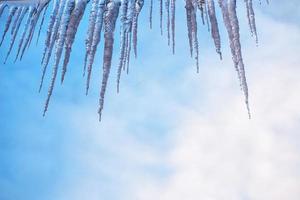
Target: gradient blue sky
pixel 170 133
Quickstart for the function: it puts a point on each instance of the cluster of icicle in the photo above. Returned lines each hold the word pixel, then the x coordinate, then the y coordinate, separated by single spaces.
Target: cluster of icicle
pixel 66 16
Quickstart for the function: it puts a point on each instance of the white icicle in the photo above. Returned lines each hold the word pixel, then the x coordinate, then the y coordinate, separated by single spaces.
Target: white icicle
pixel 110 18
pixel 236 38
pixel 54 36
pixel 91 27
pixel 68 8
pixel 71 32
pixel 95 41
pixel 173 7
pixel 214 26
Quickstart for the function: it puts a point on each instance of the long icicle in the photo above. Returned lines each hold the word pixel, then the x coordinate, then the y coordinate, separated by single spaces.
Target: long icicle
pixel 110 19
pixel 59 47
pixel 236 35
pixel 54 36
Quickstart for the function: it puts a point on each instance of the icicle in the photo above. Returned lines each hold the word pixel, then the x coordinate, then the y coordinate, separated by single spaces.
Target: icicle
pixel 192 29
pixel 228 26
pixel 18 13
pixel 54 36
pixel 161 16
pixel 12 12
pixel 150 13
pixel 71 32
pixel 110 18
pixel 53 16
pixel 251 18
pixel 2 8
pixel 214 26
pixel 95 41
pixel 20 19
pixel 167 5
pixel 59 46
pixel 31 11
pixel 201 7
pixel 138 6
pixel 189 24
pixel 173 24
pixel 194 35
pixel 236 36
pixel 91 27
pixel 42 23
pixel 123 39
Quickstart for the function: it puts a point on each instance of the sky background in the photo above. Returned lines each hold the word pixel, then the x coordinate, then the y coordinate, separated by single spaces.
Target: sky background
pixel 170 133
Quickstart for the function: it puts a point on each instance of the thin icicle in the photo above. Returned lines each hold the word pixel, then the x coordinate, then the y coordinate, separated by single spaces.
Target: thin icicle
pixel 188 8
pixel 12 12
pixel 194 35
pixel 214 26
pixel 251 18
pixel 42 23
pixel 161 16
pixel 173 7
pixel 167 5
pixel 151 13
pixel 110 18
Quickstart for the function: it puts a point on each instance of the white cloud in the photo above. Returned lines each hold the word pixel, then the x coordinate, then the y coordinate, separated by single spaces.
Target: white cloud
pixel 218 153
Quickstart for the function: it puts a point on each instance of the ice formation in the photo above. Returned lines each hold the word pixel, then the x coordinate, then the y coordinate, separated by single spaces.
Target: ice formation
pixel 66 15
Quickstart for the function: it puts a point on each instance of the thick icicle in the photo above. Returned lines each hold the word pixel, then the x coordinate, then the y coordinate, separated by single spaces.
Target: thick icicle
pixel 71 32
pixel 68 8
pixel 214 26
pixel 110 18
pixel 95 41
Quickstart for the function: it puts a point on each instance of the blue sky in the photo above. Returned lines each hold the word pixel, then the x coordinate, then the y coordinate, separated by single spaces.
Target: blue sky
pixel 170 133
